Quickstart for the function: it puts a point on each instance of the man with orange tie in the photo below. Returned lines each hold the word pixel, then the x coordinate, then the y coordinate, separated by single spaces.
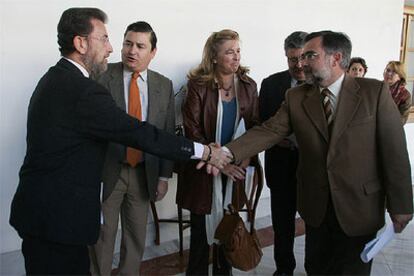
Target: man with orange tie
pixel 132 178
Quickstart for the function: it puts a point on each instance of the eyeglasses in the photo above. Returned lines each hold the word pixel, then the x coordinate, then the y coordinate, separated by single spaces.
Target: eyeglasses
pixel 295 59
pixel 103 39
pixel 309 56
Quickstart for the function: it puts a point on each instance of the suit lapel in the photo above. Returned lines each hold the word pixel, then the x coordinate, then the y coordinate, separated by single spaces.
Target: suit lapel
pixel 153 96
pixel 348 103
pixel 313 108
pixel 116 86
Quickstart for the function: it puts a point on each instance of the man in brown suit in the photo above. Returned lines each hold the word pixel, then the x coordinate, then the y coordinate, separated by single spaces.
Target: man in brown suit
pixel 354 161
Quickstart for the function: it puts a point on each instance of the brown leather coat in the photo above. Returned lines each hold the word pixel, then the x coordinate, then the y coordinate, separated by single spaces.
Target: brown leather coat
pixel 194 190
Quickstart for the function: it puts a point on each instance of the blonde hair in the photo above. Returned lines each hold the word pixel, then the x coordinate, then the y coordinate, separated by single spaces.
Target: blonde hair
pixel 206 72
pixel 398 68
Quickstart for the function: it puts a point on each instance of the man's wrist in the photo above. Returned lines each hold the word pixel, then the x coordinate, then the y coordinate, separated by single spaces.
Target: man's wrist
pixel 208 158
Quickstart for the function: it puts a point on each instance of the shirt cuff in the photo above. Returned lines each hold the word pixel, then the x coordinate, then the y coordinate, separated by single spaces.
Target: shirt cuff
pixel 198 151
pixel 163 178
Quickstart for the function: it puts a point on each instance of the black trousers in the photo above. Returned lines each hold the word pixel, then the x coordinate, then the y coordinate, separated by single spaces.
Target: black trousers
pixel 43 257
pixel 281 165
pixel 329 251
pixel 199 251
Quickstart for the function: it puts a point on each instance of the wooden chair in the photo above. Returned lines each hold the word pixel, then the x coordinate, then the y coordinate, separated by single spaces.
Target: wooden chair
pixel 182 225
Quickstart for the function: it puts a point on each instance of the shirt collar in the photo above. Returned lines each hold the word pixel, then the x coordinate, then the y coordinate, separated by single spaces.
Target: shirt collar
pixel 142 75
pixel 293 82
pixel 80 67
pixel 336 86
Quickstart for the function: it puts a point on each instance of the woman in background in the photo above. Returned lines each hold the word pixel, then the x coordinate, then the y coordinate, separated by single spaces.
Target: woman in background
pixel 220 99
pixel 357 67
pixel 395 77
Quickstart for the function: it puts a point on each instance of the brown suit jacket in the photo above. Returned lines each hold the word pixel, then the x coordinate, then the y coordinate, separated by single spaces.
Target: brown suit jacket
pixel 363 164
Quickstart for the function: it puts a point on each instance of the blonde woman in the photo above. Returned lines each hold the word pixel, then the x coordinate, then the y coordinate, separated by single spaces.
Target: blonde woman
pixel 221 99
pixel 395 77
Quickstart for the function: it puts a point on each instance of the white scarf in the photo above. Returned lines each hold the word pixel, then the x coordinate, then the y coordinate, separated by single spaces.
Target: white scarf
pixel 217 212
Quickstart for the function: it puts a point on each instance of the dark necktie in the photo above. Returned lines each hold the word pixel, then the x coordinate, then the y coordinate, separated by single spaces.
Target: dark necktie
pixel 134 156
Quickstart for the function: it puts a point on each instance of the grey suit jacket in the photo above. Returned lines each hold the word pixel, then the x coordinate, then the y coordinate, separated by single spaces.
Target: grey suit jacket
pixel 160 114
pixel 362 165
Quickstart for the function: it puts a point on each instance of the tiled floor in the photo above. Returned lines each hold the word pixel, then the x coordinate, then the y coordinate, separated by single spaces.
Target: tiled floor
pixel 397 258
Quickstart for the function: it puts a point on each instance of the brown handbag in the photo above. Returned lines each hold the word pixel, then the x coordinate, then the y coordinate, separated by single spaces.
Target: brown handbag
pixel 241 248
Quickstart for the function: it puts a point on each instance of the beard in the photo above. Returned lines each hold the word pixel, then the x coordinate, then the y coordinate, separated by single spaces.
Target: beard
pixel 318 77
pixel 95 68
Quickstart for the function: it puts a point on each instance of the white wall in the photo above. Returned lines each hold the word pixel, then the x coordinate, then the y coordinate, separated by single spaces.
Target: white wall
pixel 28 47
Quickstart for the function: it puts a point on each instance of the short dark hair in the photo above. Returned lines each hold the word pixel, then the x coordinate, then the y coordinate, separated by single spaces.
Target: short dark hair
pixel 295 40
pixel 74 22
pixel 334 42
pixel 359 60
pixel 143 27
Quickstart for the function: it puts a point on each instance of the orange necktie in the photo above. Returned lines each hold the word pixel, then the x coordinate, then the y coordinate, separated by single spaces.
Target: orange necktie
pixel 134 110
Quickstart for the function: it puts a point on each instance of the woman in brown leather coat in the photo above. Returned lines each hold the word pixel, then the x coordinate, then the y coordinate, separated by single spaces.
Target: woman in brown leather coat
pixel 221 102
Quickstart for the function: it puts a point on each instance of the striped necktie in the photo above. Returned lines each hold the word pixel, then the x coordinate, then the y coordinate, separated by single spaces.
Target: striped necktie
pixel 327 104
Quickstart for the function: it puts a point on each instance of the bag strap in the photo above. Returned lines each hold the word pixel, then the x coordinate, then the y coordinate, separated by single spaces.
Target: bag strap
pixel 257 180
pixel 251 202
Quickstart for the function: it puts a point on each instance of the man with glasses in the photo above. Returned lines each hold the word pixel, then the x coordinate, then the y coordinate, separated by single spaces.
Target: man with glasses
pixel 128 188
pixel 71 119
pixel 282 159
pixel 353 156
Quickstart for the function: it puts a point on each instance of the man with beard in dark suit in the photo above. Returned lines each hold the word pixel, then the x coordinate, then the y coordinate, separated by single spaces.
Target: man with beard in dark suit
pixel 71 119
pixel 282 159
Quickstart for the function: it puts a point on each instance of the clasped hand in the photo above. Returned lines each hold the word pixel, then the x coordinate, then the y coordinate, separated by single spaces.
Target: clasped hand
pixel 236 172
pixel 215 157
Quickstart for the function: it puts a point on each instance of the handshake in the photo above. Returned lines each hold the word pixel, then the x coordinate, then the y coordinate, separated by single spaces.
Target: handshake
pixel 216 158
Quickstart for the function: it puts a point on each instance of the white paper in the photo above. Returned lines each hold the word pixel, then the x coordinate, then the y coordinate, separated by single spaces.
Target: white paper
pixel 373 247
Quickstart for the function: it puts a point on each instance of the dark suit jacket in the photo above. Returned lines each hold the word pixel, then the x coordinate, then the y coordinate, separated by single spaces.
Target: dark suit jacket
pixel 272 94
pixel 70 121
pixel 160 114
pixel 364 164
